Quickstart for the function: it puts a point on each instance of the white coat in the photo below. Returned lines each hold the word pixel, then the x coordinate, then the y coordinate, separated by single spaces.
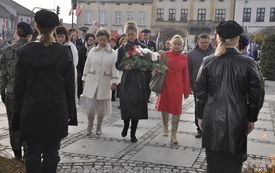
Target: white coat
pixel 100 72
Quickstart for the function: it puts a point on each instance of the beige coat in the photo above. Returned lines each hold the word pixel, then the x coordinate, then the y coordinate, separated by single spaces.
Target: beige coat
pixel 100 72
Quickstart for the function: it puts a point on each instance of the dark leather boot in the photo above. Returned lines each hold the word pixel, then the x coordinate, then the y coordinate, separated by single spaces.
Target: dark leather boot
pixel 125 128
pixel 134 124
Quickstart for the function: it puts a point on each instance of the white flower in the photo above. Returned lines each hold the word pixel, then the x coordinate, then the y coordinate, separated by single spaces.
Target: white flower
pixel 146 50
pixel 154 56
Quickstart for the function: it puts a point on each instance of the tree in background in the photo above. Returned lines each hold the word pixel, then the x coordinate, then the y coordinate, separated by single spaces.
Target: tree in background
pixel 267 57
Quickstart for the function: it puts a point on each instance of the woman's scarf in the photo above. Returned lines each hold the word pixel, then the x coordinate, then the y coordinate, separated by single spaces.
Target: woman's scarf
pixel 88 48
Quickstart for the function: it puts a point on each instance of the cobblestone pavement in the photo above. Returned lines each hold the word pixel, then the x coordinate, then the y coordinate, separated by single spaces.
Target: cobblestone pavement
pixel 153 153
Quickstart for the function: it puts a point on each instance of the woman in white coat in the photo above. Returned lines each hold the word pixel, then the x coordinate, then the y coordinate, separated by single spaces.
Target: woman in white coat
pixel 99 78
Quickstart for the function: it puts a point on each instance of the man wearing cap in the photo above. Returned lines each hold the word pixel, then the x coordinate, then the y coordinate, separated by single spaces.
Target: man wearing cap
pixel 227 101
pixel 195 57
pixel 152 46
pixel 81 41
pixel 7 67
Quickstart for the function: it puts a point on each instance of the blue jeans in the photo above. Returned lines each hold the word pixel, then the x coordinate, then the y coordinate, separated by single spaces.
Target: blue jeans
pixel 36 151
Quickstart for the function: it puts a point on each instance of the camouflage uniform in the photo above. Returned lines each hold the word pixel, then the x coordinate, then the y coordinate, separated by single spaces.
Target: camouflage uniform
pixel 7 68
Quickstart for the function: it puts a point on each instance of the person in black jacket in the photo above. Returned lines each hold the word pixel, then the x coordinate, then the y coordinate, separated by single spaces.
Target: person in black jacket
pixel 82 56
pixel 133 96
pixel 44 95
pixel 228 99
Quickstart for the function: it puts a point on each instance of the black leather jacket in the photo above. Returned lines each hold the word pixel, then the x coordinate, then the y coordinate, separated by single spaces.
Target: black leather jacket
pixel 228 97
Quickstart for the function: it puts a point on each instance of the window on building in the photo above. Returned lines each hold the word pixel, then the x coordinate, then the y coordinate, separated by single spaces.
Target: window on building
pixel 7 24
pixel 142 18
pixel 202 0
pixel 272 15
pixel 172 0
pixel 221 0
pixel 103 18
pixel 130 16
pixel 21 19
pixel 117 18
pixel 201 14
pixel 184 15
pixel 88 17
pixel 220 15
pixel 184 0
pixel 28 20
pixel 260 14
pixel 172 14
pixel 246 14
pixel 160 0
pixel 159 14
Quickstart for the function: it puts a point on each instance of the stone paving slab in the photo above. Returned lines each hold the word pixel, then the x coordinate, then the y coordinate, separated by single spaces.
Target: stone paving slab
pixel 95 147
pixel 264 124
pixel 5 141
pixel 263 135
pixel 260 149
pixel 183 140
pixel 166 156
pixel 4 122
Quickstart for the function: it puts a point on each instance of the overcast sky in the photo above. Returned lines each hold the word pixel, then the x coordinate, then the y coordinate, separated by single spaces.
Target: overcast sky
pixel 64 5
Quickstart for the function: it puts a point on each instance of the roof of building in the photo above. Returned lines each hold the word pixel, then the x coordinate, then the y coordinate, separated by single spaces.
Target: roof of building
pixel 4 12
pixel 19 8
pixel 117 1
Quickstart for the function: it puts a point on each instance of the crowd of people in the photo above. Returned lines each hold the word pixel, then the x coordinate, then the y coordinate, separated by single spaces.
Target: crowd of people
pixel 42 81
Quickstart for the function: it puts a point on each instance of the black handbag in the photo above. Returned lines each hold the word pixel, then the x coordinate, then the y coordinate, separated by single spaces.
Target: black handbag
pixel 156 82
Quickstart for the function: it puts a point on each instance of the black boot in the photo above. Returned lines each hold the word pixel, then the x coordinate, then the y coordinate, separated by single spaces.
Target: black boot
pixel 18 154
pixel 114 95
pixel 134 124
pixel 125 128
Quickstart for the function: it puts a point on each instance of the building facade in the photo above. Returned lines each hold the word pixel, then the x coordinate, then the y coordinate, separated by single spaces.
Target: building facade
pixel 10 14
pixel 113 14
pixel 254 15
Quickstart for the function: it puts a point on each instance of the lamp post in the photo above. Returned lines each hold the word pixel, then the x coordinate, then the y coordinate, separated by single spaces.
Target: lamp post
pixel 245 2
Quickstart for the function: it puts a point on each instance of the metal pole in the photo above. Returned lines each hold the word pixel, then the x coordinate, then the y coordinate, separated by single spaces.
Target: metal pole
pixel 73 19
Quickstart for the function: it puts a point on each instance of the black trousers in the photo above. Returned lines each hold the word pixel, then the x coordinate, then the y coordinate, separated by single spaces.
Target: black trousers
pixel 196 119
pixel 222 162
pixel 48 151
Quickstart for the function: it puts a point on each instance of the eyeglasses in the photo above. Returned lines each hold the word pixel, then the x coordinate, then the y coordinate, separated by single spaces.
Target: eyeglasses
pixel 167 43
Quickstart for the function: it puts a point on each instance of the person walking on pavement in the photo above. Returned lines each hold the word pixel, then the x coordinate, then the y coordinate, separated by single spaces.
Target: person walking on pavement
pixel 44 92
pixel 133 96
pixel 82 56
pixel 7 67
pixel 152 46
pixel 176 84
pixel 100 77
pixel 195 57
pixel 228 98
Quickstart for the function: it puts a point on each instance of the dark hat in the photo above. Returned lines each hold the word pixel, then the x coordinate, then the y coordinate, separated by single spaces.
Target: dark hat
pixel 84 29
pixel 45 18
pixel 243 39
pixel 229 29
pixel 146 31
pixel 25 27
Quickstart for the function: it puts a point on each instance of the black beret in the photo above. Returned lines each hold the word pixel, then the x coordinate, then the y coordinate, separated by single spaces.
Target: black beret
pixel 244 39
pixel 25 27
pixel 45 18
pixel 146 31
pixel 229 29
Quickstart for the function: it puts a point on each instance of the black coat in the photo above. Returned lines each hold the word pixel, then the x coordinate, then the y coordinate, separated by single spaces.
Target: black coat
pixel 82 52
pixel 44 91
pixel 228 97
pixel 133 97
pixel 151 45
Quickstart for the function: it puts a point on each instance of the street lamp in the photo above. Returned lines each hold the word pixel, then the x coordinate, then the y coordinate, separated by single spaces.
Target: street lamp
pixel 245 2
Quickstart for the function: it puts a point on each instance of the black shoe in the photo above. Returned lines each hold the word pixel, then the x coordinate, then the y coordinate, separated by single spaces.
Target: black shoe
pixel 124 132
pixel 113 99
pixel 198 134
pixel 118 107
pixel 133 138
pixel 148 101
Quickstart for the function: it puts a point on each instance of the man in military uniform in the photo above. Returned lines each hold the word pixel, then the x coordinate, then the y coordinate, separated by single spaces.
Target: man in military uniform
pixel 7 66
pixel 152 46
pixel 81 41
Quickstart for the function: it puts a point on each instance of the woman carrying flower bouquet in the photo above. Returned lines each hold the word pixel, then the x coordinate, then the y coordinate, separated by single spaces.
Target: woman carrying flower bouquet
pixel 133 97
pixel 176 84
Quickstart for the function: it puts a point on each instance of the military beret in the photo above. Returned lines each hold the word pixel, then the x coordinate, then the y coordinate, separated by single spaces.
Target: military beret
pixel 45 18
pixel 113 39
pixel 243 39
pixel 25 27
pixel 229 29
pixel 146 31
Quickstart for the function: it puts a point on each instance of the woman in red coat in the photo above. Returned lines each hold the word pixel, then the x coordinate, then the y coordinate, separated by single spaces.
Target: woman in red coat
pixel 175 85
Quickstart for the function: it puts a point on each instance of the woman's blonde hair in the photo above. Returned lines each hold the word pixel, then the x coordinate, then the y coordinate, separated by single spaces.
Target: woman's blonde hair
pixel 223 43
pixel 177 39
pixel 130 25
pixel 46 35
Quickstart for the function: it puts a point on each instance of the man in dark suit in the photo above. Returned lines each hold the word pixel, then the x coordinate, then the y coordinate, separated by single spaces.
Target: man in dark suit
pixel 81 41
pixel 152 46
